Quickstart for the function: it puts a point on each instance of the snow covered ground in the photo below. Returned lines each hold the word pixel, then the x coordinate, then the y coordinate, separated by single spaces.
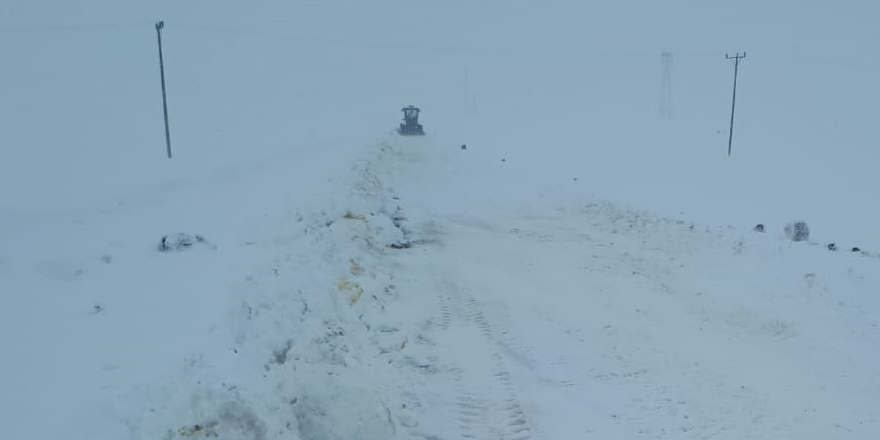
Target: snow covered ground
pixel 514 314
pixel 584 269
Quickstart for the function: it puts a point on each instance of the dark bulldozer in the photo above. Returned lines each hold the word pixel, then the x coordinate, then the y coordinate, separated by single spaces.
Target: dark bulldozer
pixel 410 125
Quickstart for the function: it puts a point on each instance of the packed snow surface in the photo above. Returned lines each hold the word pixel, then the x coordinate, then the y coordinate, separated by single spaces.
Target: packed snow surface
pixel 425 291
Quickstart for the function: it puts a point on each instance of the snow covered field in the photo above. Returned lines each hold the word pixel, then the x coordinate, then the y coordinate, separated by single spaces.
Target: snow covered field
pixel 586 268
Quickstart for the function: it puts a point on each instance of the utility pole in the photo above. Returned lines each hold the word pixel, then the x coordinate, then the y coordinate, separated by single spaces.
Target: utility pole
pixel 159 26
pixel 666 85
pixel 467 92
pixel 736 58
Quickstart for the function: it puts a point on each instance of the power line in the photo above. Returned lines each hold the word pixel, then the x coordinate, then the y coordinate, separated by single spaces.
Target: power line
pixel 71 27
pixel 476 49
pixel 570 51
pixel 317 40
pixel 842 64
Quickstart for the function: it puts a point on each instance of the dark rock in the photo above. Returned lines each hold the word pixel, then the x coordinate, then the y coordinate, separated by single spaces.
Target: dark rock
pixel 855 249
pixel 832 247
pixel 759 227
pixel 179 241
pixel 797 231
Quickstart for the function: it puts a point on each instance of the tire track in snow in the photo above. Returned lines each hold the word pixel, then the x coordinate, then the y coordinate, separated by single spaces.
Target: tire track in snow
pixel 554 366
pixel 445 313
pixel 487 404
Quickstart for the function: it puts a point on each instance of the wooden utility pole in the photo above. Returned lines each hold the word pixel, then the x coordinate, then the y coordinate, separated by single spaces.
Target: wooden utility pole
pixel 666 85
pixel 736 58
pixel 159 26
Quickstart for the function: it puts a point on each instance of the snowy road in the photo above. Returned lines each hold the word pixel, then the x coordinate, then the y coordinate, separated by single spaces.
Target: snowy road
pixel 410 289
pixel 595 320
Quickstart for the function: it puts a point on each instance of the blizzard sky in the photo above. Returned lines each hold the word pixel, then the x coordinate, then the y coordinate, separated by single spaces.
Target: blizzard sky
pixel 578 80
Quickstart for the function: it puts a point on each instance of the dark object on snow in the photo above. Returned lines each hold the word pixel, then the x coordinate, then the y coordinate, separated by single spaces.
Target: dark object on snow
pixel 832 247
pixel 410 125
pixel 179 241
pixel 464 146
pixel 855 249
pixel 408 244
pixel 759 227
pixel 797 231
pixel 503 159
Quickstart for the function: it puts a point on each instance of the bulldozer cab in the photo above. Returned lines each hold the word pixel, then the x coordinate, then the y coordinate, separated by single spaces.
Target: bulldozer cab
pixel 411 114
pixel 410 125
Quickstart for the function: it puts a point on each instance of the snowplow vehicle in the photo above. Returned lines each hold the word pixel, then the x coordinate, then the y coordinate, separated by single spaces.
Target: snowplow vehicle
pixel 410 125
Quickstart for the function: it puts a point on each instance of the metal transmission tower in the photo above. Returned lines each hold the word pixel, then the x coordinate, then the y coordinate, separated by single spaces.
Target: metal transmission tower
pixel 666 85
pixel 736 58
